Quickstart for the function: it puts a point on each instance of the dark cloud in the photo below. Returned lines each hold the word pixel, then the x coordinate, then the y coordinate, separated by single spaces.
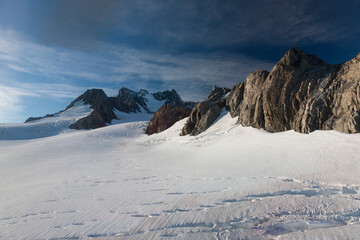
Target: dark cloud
pixel 218 25
pixel 173 26
pixel 76 23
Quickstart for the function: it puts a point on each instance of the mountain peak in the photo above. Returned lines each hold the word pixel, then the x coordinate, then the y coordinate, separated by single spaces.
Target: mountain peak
pixel 295 56
pixel 295 49
pixel 89 94
pixel 217 94
pixel 125 92
pixel 143 92
pixel 91 97
pixel 170 97
pixel 358 57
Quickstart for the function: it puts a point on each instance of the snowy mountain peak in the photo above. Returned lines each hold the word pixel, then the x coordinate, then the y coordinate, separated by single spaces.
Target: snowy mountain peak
pixel 125 92
pixel 143 92
pixel 91 97
pixel 105 109
pixel 169 97
pixel 143 101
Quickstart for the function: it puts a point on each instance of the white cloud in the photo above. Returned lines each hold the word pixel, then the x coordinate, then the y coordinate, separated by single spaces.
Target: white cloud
pixel 58 72
pixel 11 103
pixel 119 64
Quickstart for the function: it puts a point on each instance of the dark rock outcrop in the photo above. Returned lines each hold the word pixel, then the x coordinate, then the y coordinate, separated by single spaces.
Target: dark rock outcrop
pixel 128 100
pixel 94 120
pixel 102 110
pixel 218 96
pixel 166 116
pixel 206 112
pixel 169 97
pixel 201 117
pixel 301 93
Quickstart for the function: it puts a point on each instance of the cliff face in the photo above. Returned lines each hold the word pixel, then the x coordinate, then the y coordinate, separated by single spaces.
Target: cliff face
pixel 206 112
pixel 245 100
pixel 335 102
pixel 166 116
pixel 301 93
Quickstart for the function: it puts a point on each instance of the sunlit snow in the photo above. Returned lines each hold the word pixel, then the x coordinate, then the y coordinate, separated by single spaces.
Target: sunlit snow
pixel 229 182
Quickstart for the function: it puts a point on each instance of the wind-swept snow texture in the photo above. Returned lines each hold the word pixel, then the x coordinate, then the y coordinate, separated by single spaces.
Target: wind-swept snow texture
pixel 230 182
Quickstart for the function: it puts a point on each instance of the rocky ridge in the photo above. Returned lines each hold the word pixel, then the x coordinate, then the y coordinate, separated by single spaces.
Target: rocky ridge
pixel 301 93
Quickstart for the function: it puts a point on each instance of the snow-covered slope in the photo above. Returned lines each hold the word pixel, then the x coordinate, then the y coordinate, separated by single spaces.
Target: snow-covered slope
pixel 45 127
pixel 229 182
pixel 152 103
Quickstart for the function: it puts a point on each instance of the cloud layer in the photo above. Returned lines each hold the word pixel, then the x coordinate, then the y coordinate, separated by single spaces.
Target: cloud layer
pixel 187 26
pixel 31 69
pixel 54 50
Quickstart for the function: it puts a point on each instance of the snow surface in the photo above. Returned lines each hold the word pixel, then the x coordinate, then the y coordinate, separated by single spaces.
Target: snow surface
pixel 152 103
pixel 45 127
pixel 230 182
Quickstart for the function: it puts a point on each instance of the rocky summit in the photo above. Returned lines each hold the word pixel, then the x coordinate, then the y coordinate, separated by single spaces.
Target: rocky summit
pixel 301 93
pixel 102 110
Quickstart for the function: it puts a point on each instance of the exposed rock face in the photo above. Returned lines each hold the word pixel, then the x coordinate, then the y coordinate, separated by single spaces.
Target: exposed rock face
pixel 302 93
pixel 334 104
pixel 102 110
pixel 128 100
pixel 218 96
pixel 295 77
pixel 201 117
pixel 358 57
pixel 94 120
pixel 245 99
pixel 170 97
pixel 206 112
pixel 166 116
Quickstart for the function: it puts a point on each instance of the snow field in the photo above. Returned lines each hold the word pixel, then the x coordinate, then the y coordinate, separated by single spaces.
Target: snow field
pixel 229 182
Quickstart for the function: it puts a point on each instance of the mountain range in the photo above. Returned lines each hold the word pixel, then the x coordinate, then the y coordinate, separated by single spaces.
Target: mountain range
pixel 301 93
pixel 104 108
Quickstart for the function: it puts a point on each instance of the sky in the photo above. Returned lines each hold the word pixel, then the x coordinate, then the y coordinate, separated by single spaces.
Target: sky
pixel 52 51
